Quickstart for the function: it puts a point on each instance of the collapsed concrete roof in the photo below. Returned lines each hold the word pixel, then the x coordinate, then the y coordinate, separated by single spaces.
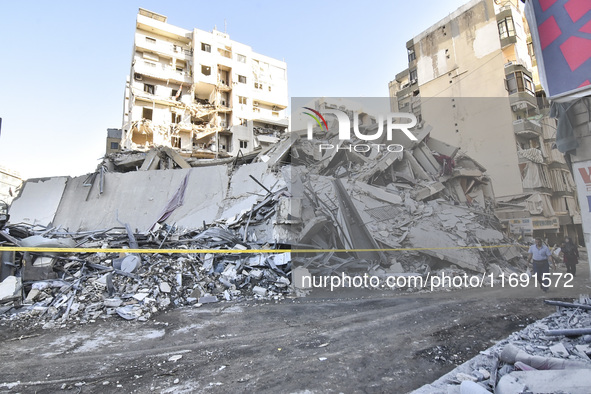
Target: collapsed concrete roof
pixel 424 211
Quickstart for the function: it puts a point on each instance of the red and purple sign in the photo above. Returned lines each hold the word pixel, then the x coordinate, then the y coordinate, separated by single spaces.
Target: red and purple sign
pixel 561 32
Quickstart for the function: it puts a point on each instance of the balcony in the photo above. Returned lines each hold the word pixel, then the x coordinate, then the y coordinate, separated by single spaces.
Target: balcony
pixel 526 128
pixel 523 101
pixel 162 71
pixel 162 48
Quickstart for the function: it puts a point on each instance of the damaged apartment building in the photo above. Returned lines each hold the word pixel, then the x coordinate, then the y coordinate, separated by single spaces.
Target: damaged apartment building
pixel 474 72
pixel 200 93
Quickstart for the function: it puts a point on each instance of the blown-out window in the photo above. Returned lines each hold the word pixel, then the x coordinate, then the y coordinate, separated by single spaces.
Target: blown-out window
pixel 506 27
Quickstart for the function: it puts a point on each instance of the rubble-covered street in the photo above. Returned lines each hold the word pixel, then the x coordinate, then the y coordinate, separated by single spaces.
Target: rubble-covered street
pixel 344 343
pixel 191 279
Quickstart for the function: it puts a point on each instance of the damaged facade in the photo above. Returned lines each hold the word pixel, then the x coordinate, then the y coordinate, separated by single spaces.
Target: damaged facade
pixel 475 73
pixel 200 92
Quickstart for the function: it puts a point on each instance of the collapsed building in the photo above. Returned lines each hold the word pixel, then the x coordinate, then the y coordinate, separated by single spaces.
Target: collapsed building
pixel 200 92
pixel 208 230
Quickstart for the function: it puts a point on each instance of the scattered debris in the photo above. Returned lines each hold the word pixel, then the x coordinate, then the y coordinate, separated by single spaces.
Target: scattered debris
pixel 384 206
pixel 529 360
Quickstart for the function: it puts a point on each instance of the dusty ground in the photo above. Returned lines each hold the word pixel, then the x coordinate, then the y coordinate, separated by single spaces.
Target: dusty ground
pixel 378 342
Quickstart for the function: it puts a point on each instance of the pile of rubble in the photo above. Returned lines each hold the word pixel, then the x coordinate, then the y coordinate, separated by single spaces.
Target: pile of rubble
pixel 549 356
pixel 425 210
pixel 82 287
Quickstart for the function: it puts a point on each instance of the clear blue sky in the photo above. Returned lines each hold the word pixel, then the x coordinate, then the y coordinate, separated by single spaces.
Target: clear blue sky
pixel 64 63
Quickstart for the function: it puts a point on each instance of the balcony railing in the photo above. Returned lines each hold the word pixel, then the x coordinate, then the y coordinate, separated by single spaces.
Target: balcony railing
pixel 166 48
pixel 162 71
pixel 527 128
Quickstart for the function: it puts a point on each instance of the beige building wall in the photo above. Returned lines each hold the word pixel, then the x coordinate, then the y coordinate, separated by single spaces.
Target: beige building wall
pixel 460 57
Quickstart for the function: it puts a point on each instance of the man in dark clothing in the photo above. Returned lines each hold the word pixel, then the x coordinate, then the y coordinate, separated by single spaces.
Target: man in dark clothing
pixel 570 255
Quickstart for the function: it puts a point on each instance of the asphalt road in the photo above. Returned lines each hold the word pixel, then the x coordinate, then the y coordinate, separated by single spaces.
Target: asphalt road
pixel 370 342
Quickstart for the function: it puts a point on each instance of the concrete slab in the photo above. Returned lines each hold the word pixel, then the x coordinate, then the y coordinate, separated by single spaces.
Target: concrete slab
pixel 139 197
pixel 38 201
pixel 242 184
pixel 425 235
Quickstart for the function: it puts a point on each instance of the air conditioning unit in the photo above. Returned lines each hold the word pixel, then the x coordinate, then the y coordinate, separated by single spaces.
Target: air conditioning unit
pixel 138 76
pixel 413 81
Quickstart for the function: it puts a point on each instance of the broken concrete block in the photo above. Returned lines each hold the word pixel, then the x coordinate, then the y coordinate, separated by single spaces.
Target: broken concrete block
pixel 9 287
pixel 261 291
pixel 113 302
pixel 282 282
pixel 151 161
pixel 396 268
pixel 464 376
pixel 558 350
pixel 207 299
pixel 129 312
pixel 140 296
pixel 165 287
pixel 32 295
pixel 256 273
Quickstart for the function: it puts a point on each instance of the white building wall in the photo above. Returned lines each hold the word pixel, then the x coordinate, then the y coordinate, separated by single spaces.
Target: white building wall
pixel 160 48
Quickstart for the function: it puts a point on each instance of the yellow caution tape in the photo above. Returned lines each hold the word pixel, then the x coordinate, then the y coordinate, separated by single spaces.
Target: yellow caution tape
pixel 230 251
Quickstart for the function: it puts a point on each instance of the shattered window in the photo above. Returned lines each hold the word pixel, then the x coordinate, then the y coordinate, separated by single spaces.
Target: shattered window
pixel 411 54
pixel 506 28
pixel 205 70
pixel 149 88
pixel 241 79
pixel 205 47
